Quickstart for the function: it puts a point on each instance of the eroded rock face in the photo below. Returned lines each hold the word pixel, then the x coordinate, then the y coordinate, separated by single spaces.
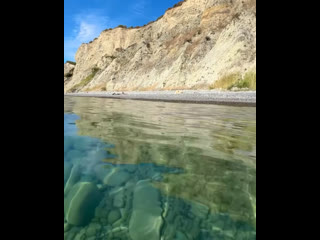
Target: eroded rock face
pixel 190 47
pixel 68 71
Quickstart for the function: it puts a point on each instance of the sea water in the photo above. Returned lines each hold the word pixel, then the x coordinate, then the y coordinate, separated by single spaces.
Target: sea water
pixel 152 170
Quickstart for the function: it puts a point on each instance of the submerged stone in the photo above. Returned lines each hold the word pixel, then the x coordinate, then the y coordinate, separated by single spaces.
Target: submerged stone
pixel 113 216
pixel 199 210
pixel 92 229
pixel 81 202
pixel 74 177
pixel 116 178
pixel 146 219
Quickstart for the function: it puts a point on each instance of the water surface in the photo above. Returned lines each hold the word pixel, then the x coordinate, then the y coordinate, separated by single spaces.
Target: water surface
pixel 153 170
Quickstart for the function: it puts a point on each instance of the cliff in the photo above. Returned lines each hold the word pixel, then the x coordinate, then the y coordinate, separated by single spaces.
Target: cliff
pixel 194 45
pixel 68 71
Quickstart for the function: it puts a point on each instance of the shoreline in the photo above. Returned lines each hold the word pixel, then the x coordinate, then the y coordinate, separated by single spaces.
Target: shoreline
pixel 245 98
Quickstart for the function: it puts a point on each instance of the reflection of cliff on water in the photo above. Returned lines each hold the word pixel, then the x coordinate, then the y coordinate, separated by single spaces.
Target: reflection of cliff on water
pixel 213 145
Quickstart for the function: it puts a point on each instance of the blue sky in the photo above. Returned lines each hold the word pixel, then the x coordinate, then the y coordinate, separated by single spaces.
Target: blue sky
pixel 84 20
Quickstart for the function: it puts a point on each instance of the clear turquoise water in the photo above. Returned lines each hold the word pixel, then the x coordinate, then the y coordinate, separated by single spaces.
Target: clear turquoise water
pixel 151 170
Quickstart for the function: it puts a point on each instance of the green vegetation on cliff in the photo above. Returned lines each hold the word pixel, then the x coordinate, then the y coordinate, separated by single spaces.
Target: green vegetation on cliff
pixel 236 81
pixel 86 81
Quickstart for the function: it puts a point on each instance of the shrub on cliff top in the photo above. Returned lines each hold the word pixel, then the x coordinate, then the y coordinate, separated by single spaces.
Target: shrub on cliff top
pixel 137 27
pixel 177 5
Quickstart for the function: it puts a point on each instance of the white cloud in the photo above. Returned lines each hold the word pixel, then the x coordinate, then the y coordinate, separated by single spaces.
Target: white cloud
pixel 87 27
pixel 139 8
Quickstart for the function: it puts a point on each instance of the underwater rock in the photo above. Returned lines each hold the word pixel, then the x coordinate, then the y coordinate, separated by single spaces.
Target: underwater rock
pixel 199 210
pixel 74 177
pixel 79 236
pixel 118 195
pixel 114 216
pixel 80 204
pixel 101 172
pixel 70 235
pixel 146 219
pixel 67 170
pixel 67 227
pixel 180 236
pixel 93 229
pixel 116 178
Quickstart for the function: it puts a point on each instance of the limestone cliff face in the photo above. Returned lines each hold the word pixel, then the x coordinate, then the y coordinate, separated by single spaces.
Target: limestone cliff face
pixel 68 71
pixel 190 47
